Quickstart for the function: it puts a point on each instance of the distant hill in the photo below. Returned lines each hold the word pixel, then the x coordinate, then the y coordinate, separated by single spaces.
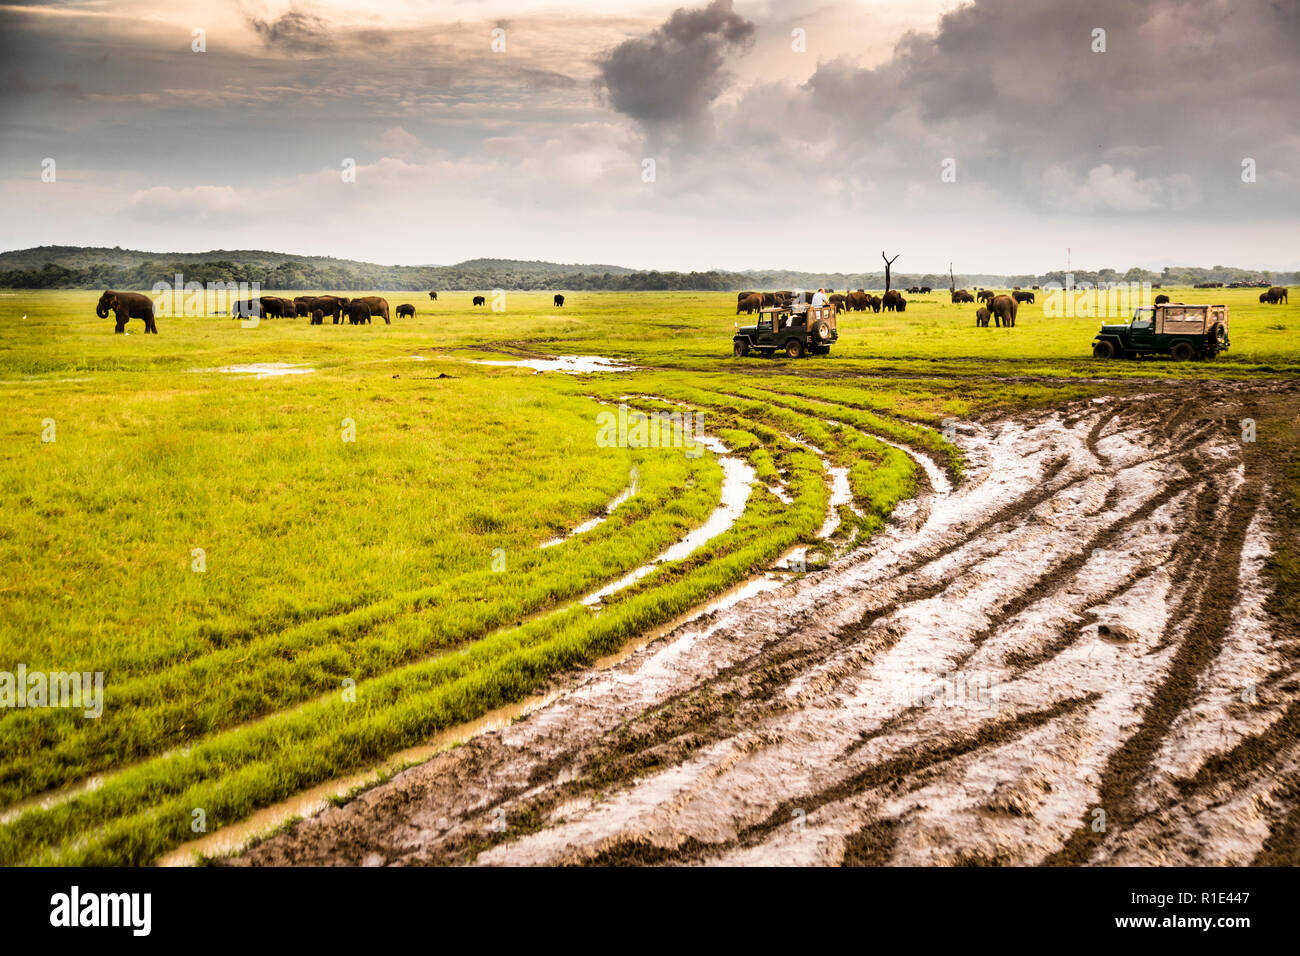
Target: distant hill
pixel 98 267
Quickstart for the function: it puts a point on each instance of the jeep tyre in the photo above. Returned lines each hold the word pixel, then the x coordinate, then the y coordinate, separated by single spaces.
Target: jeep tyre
pixel 1183 352
pixel 740 348
pixel 1104 350
pixel 794 349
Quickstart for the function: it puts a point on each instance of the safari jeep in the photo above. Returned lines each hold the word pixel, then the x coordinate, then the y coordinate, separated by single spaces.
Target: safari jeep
pixel 1181 331
pixel 795 334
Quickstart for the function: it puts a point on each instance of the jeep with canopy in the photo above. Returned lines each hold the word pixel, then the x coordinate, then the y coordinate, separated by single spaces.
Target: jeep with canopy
pixel 782 329
pixel 1181 331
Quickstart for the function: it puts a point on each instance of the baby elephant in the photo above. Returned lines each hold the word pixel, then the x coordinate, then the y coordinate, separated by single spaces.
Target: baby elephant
pixel 406 310
pixel 982 318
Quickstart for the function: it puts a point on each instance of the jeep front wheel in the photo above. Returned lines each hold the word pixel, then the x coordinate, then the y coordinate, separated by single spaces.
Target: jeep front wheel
pixel 1103 350
pixel 794 348
pixel 1183 352
pixel 740 348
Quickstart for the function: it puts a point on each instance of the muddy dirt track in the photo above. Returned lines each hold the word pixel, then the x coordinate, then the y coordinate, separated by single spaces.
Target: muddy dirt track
pixel 1065 660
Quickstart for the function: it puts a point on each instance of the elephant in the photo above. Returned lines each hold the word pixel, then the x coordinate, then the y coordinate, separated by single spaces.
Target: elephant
pixel 751 304
pixel 330 305
pixel 558 301
pixel 248 309
pixel 1004 308
pixel 1275 295
pixel 982 317
pixel 1023 296
pixel 891 299
pixel 406 310
pixel 126 306
pixel 274 307
pixel 433 296
pixel 1161 299
pixel 961 295
pixel 914 290
pixel 926 290
pixel 317 317
pixel 377 306
pixel 302 306
pixel 838 301
pixel 480 300
pixel 984 295
pixel 357 313
pixel 875 302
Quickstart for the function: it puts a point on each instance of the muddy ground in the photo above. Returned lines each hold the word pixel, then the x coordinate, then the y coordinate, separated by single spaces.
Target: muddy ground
pixel 1065 660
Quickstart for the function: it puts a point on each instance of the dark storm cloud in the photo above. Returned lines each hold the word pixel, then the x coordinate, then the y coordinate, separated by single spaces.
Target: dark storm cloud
pixel 295 31
pixel 672 74
pixel 1012 91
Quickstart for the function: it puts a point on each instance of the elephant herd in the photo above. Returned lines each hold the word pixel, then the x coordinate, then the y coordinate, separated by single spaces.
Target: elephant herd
pixel 859 301
pixel 315 307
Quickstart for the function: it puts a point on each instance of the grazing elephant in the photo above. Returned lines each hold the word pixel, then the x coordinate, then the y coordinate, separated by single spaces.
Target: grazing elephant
pixel 433 296
pixel 838 301
pixel 982 318
pixel 1276 295
pixel 856 301
pixel 961 295
pixel 1023 296
pixel 559 301
pixel 377 306
pixel 1161 299
pixel 330 305
pixel 751 304
pixel 274 307
pixel 914 290
pixel 406 310
pixel 248 309
pixel 301 307
pixel 318 317
pixel 891 299
pixel 1004 308
pixel 357 313
pixel 926 290
pixel 126 306
pixel 480 300
pixel 875 302
pixel 984 295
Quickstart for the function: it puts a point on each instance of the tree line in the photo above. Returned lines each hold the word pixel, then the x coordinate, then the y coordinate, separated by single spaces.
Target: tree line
pixel 344 275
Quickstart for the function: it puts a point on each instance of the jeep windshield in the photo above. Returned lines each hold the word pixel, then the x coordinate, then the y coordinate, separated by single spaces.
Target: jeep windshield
pixel 1143 318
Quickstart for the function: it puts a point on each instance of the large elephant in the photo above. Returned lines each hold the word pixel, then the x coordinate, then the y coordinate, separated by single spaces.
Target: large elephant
pixel 406 310
pixel 433 296
pixel 1276 295
pixel 357 313
pixel 1023 296
pixel 985 295
pixel 558 301
pixel 1003 308
pixel 856 301
pixel 274 307
pixel 838 301
pixel 377 306
pixel 750 304
pixel 891 299
pixel 126 306
pixel 331 305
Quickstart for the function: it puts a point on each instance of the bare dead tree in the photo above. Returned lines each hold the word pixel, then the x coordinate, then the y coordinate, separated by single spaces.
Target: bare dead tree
pixel 952 281
pixel 888 263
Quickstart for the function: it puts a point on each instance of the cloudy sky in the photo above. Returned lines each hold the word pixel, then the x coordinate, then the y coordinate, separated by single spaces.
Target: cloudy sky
pixel 804 134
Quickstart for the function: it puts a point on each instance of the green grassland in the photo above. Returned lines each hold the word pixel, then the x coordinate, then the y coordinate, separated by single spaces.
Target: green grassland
pixel 377 523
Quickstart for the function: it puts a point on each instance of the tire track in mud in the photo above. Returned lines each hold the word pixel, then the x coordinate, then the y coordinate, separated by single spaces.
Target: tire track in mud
pixel 815 701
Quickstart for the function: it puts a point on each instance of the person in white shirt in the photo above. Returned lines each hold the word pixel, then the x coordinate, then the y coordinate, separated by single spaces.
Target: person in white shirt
pixel 819 299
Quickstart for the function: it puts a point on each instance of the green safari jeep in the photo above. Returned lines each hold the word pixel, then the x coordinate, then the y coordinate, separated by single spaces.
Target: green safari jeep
pixel 794 333
pixel 1183 332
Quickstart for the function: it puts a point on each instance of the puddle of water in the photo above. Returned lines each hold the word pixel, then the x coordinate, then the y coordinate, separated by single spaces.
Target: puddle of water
pixel 260 369
pixel 595 522
pixel 737 481
pixel 570 364
pixel 234 838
